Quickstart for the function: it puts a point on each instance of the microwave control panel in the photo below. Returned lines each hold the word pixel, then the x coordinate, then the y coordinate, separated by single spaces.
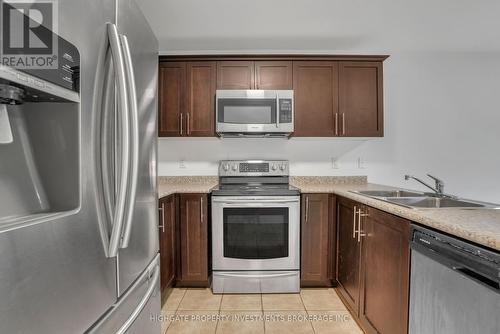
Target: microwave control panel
pixel 286 110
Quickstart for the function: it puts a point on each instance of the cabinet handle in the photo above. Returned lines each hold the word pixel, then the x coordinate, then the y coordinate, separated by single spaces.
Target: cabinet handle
pixel 162 226
pixel 354 222
pixel 181 123
pixel 343 124
pixel 360 232
pixel 336 123
pixel 201 209
pixel 188 127
pixel 307 209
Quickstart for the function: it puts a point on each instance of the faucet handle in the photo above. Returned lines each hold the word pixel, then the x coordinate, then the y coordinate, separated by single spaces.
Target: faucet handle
pixel 439 184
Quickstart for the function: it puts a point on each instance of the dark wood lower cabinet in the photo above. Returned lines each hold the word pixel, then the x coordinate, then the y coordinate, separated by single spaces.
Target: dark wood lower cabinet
pixel 167 226
pixel 332 243
pixel 384 273
pixel 183 233
pixel 348 254
pixel 318 240
pixel 373 267
pixel 314 270
pixel 193 223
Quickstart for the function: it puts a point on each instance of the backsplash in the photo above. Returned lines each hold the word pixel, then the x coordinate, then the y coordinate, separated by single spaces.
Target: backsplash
pixel 307 156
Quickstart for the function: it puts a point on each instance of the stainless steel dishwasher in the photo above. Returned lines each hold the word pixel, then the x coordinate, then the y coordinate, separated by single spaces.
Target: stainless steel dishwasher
pixel 454 286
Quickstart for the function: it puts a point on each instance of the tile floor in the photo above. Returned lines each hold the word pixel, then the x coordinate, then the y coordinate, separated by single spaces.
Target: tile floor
pixel 198 311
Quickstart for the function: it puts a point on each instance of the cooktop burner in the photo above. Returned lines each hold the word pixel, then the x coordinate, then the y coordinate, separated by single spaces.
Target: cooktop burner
pixel 254 178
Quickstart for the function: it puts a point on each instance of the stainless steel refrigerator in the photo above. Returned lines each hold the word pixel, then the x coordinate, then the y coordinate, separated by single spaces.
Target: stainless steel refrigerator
pixel 78 202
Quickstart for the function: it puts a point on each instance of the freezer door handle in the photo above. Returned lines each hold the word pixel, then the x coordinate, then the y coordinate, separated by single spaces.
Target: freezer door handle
pixel 153 282
pixel 134 139
pixel 119 66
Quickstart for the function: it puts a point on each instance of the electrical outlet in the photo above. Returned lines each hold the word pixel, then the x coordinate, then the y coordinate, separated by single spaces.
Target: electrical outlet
pixel 335 163
pixel 361 163
pixel 182 164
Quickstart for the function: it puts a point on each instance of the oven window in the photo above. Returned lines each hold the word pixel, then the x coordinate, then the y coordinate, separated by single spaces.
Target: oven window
pixel 247 111
pixel 255 233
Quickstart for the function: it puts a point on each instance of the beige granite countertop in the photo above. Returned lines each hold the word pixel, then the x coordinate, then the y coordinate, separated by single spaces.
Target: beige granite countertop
pixel 481 226
pixel 186 184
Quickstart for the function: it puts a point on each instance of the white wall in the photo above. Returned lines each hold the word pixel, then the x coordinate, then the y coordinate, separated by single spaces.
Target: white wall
pixel 442 85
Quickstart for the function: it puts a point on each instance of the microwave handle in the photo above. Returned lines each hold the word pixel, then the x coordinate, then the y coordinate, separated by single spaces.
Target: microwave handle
pixel 277 111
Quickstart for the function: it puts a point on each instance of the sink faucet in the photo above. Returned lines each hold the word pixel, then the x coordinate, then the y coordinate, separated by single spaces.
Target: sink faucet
pixel 438 189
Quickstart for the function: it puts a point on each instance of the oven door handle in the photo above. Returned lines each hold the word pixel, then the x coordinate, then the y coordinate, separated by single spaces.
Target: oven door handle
pixel 254 201
pixel 256 205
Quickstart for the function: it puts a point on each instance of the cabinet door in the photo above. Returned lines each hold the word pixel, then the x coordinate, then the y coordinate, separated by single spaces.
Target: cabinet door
pixel 172 87
pixel 316 103
pixel 384 273
pixel 194 238
pixel 273 75
pixel 348 253
pixel 360 99
pixel 315 232
pixel 332 240
pixel 200 96
pixel 168 214
pixel 235 75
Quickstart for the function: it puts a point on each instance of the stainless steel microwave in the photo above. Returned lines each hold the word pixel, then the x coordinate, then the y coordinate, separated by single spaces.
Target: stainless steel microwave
pixel 254 113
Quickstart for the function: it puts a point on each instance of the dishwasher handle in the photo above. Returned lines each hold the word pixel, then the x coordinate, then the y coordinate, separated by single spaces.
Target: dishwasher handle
pixel 465 259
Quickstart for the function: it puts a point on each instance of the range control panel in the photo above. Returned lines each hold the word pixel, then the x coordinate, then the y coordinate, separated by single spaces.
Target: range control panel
pixel 254 168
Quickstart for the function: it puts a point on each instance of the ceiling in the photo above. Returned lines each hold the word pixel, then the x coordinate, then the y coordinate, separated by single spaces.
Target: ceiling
pixel 340 26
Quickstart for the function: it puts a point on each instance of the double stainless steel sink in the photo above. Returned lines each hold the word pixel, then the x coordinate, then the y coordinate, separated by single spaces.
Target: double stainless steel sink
pixel 422 200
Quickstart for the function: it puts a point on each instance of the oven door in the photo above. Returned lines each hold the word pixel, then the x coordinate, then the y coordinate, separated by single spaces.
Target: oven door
pixel 255 233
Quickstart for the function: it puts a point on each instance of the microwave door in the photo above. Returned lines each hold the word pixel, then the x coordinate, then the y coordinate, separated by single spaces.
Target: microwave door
pixel 243 115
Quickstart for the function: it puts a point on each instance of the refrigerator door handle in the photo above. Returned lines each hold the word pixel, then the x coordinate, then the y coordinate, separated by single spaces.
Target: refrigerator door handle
pixel 106 155
pixel 119 212
pixel 134 154
pixel 153 282
pixel 100 139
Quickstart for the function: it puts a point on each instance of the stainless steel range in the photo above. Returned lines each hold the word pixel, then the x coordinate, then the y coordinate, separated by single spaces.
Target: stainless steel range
pixel 255 229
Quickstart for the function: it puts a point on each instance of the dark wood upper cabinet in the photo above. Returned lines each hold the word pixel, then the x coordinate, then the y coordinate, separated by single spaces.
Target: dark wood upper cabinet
pixel 273 75
pixel 361 98
pixel 384 272
pixel 235 75
pixel 171 98
pixel 333 95
pixel 315 85
pixel 167 227
pixel 348 254
pixel 193 239
pixel 186 95
pixel 200 99
pixel 315 259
